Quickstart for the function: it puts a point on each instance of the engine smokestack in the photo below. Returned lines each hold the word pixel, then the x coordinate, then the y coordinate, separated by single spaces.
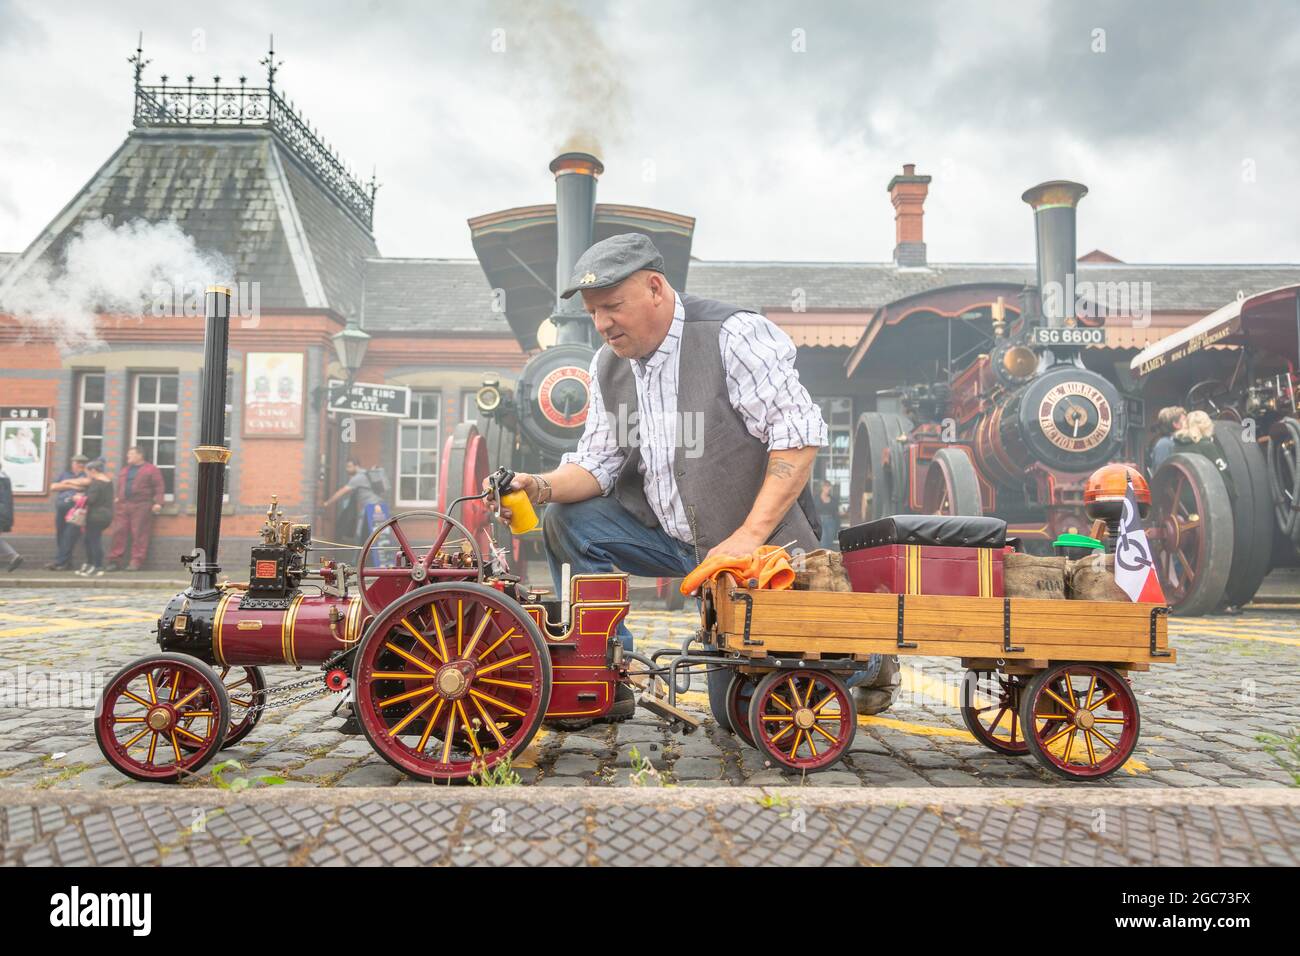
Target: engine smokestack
pixel 575 217
pixel 1054 206
pixel 211 452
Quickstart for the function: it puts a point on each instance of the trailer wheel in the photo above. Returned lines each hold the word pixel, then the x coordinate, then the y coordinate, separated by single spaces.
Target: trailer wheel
pixel 990 709
pixel 1284 476
pixel 740 692
pixel 1190 528
pixel 450 680
pixel 1252 512
pixel 150 706
pixel 870 491
pixel 1081 720
pixel 802 720
pixel 951 485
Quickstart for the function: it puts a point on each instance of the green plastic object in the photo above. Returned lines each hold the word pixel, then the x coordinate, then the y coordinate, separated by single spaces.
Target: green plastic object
pixel 1078 541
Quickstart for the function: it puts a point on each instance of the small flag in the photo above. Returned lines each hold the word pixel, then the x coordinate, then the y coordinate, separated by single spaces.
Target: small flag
pixel 1135 571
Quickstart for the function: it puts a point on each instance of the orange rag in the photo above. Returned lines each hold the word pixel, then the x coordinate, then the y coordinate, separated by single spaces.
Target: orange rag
pixel 769 566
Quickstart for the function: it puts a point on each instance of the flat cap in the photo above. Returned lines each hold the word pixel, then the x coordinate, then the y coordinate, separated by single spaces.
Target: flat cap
pixel 612 260
pixel 80 458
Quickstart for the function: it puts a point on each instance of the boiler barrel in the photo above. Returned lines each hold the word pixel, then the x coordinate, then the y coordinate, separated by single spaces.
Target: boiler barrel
pixel 303 633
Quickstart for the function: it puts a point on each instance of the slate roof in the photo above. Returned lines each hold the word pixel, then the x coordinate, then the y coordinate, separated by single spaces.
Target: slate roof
pixel 453 295
pixel 238 193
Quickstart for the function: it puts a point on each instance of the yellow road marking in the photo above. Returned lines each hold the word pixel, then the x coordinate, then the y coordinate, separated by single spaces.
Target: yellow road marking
pixel 1210 630
pixel 51 624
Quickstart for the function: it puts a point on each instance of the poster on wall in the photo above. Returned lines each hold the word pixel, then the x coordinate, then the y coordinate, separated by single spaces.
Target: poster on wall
pixel 273 395
pixel 23 444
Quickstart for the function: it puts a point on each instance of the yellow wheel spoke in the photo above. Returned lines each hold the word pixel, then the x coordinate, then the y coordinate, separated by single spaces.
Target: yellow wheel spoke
pixel 401 675
pixel 428 727
pixel 777 718
pixel 1104 700
pixel 153 746
pixel 187 698
pixel 1092 688
pixel 460 624
pixel 788 727
pixel 139 700
pixel 1092 754
pixel 469 729
pixel 824 701
pixel 1057 697
pixel 488 698
pixel 478 633
pixel 777 700
pixel 812 744
pixel 1108 720
pixel 410 657
pixel 1103 738
pixel 794 689
pixel 197 739
pixel 418 692
pixel 489 722
pixel 798 736
pixel 423 641
pixel 153 691
pixel 401 724
pixel 519 685
pixel 171 691
pixel 132 742
pixel 1052 716
pixel 128 720
pixel 504 662
pixel 437 629
pixel 497 643
pixel 1069 743
pixel 1056 736
pixel 451 730
pixel 176 747
pixel 818 728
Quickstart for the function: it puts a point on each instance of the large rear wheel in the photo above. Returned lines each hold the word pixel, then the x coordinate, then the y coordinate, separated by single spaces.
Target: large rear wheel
pixel 451 679
pixel 1190 528
pixel 951 485
pixel 870 490
pixel 1252 512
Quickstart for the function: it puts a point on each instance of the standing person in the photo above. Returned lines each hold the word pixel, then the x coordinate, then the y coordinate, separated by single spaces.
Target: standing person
pixel 828 510
pixel 1169 421
pixel 99 515
pixel 67 485
pixel 362 497
pixel 8 553
pixel 140 491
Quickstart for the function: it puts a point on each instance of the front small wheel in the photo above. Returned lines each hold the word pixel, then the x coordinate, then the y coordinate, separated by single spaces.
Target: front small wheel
pixel 162 717
pixel 1080 721
pixel 990 709
pixel 803 720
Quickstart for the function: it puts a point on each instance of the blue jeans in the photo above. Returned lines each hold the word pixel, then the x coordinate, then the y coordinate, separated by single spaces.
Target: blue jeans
pixel 600 535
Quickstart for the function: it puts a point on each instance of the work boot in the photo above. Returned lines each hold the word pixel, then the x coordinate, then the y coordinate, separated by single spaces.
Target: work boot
pixel 15 562
pixel 879 695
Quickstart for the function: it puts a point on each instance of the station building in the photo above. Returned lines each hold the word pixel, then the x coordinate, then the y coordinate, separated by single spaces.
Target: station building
pixel 238 170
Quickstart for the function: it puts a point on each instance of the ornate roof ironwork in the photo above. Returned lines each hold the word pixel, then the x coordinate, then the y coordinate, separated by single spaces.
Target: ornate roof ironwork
pixel 240 105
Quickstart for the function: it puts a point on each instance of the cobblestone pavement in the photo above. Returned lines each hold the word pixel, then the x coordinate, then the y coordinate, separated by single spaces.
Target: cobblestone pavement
pixel 740 827
pixel 1236 678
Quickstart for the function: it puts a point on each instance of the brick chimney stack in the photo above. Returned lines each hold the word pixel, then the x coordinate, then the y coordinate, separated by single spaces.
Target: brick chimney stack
pixel 907 192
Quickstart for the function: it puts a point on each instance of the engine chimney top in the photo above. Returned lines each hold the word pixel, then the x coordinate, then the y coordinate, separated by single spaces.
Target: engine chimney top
pixel 907 192
pixel 582 163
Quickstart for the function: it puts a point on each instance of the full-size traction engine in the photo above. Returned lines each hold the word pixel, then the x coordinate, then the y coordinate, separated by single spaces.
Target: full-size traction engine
pixel 445 660
pixel 1017 431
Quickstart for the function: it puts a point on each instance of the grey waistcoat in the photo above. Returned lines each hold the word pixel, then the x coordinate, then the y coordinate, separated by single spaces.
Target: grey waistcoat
pixel 718 487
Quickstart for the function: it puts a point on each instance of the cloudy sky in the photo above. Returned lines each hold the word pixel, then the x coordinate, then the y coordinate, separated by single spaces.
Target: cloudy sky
pixel 776 124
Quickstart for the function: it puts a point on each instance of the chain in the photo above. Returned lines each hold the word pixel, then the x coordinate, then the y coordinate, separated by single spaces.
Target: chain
pixel 319 691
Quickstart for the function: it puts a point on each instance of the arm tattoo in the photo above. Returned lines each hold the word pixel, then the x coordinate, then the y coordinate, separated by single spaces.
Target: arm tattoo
pixel 781 469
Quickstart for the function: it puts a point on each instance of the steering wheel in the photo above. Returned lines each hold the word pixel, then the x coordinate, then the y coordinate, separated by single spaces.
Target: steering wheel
pixel 413 564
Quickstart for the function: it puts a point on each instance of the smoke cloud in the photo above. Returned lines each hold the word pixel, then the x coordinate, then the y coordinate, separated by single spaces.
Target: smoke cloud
pixel 562 65
pixel 105 269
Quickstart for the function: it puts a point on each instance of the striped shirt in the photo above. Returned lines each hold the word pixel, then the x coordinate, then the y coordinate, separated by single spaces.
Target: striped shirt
pixel 762 384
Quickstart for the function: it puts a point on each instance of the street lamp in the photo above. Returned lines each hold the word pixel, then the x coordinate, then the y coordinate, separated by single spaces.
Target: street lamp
pixel 350 346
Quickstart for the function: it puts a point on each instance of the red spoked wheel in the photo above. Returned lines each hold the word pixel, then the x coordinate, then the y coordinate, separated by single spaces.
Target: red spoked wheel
pixel 740 692
pixel 412 549
pixel 451 679
pixel 246 688
pixel 153 704
pixel 1081 720
pixel 990 709
pixel 802 719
